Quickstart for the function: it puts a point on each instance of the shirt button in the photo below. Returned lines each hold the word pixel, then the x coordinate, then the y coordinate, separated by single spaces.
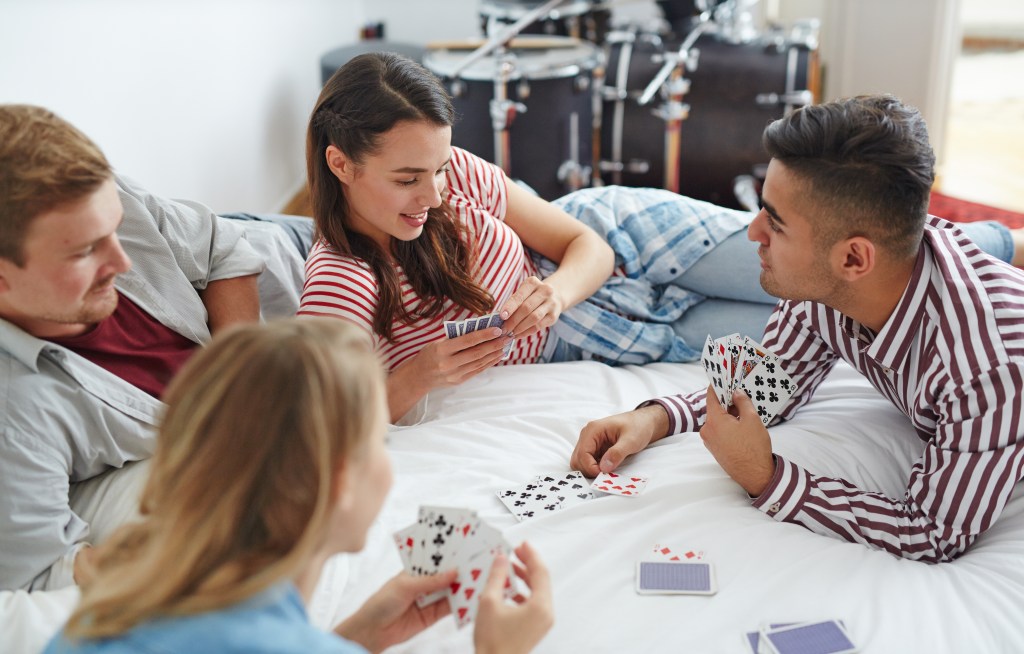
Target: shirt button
pixel 774 508
pixel 887 371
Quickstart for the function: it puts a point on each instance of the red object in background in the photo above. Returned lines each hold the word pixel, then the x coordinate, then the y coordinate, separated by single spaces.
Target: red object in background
pixel 963 211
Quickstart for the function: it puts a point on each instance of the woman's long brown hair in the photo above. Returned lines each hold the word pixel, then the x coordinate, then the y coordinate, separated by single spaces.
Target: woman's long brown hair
pixel 363 100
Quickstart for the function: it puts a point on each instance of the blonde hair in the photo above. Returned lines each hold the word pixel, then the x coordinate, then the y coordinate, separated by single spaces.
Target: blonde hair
pixel 240 485
pixel 45 163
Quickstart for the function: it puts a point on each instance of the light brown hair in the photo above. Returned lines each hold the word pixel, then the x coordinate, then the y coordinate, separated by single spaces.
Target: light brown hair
pixel 257 425
pixel 45 163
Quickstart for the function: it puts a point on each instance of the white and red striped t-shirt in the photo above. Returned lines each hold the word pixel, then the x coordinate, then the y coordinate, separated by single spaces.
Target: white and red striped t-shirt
pixel 345 287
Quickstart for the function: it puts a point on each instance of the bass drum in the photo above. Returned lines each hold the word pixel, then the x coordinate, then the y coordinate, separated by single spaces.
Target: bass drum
pixel 577 19
pixel 735 91
pixel 551 126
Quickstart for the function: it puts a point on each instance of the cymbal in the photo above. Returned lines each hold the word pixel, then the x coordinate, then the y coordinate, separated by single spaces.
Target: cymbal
pixel 522 43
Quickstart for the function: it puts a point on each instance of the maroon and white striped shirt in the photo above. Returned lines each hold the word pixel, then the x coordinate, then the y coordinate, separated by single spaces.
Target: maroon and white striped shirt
pixel 951 357
pixel 344 287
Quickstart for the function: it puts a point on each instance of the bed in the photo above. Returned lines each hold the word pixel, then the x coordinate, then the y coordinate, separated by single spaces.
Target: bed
pixel 511 423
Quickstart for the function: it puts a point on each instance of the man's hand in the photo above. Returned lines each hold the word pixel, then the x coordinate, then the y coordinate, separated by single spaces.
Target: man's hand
pixel 740 443
pixel 603 444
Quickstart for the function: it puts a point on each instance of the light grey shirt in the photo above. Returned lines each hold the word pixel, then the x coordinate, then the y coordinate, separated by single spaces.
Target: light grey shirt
pixel 64 419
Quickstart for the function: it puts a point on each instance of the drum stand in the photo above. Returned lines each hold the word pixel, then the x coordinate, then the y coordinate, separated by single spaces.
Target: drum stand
pixel 503 110
pixel 674 111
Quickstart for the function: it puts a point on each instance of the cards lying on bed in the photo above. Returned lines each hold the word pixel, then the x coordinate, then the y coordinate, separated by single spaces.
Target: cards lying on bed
pixel 550 493
pixel 443 538
pixel 456 328
pixel 739 362
pixel 825 637
pixel 673 571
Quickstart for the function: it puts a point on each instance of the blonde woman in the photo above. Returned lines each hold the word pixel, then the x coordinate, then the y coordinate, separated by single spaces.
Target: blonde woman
pixel 271 458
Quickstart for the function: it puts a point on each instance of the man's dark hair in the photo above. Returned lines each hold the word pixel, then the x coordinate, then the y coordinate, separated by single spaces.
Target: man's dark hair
pixel 868 165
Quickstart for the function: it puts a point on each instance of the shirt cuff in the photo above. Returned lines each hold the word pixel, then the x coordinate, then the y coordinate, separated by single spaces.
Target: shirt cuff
pixel 234 255
pixel 786 492
pixel 677 410
pixel 62 573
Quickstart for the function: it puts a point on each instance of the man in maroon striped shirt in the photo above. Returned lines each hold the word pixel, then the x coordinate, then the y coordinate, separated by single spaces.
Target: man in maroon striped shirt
pixel 865 275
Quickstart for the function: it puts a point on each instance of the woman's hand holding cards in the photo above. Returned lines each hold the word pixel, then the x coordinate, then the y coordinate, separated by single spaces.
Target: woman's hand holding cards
pixel 534 306
pixel 391 615
pixel 518 627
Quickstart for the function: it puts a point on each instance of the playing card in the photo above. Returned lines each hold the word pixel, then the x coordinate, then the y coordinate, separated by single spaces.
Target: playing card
pixel 531 500
pixel 616 484
pixel 768 387
pixel 753 638
pixel 405 541
pixel 826 637
pixel 442 531
pixel 572 487
pixel 473 572
pixel 715 371
pixel 751 354
pixel 675 578
pixel 451 328
pixel 733 346
pixel 669 554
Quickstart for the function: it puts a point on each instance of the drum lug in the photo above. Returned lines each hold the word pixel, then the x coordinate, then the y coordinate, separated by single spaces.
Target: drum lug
pixel 581 83
pixel 672 111
pixel 457 88
pixel 503 111
pixel 523 90
pixel 614 94
pixel 637 166
pixel 800 98
pixel 573 175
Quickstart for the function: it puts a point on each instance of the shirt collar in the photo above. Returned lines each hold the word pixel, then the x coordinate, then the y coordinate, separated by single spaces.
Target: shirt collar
pixel 893 342
pixel 21 345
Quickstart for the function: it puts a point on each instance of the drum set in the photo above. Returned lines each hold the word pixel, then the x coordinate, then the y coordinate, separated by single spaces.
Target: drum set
pixel 561 100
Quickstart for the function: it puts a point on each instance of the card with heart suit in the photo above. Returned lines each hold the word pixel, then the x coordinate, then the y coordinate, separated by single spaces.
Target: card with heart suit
pixel 753 369
pixel 715 371
pixel 669 553
pixel 445 538
pixel 615 483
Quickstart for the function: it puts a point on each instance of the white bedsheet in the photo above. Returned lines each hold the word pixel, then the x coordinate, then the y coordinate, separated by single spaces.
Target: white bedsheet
pixel 514 422
pixel 511 423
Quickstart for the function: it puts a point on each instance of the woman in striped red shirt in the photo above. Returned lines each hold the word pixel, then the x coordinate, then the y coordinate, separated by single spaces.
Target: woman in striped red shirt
pixel 414 232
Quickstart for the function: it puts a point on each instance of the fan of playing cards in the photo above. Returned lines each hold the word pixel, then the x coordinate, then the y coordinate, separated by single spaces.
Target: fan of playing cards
pixel 549 493
pixel 456 328
pixel 443 538
pixel 739 362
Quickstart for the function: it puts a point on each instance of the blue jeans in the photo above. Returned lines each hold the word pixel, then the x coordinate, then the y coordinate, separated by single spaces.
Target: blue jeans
pixel 737 303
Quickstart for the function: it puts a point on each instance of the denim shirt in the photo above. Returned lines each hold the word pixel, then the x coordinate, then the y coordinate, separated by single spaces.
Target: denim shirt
pixel 272 622
pixel 63 419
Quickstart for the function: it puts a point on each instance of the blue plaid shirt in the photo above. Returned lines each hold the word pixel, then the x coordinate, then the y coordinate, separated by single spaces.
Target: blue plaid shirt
pixel 656 235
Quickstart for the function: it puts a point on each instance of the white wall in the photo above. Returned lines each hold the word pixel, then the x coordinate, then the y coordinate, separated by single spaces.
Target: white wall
pixel 202 99
pixel 208 99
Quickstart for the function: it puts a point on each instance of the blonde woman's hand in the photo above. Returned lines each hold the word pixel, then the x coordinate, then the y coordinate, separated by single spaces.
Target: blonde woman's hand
pixel 535 305
pixel 513 628
pixel 391 615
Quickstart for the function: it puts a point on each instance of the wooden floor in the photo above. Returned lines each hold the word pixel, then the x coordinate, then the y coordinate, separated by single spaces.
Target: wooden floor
pixel 984 150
